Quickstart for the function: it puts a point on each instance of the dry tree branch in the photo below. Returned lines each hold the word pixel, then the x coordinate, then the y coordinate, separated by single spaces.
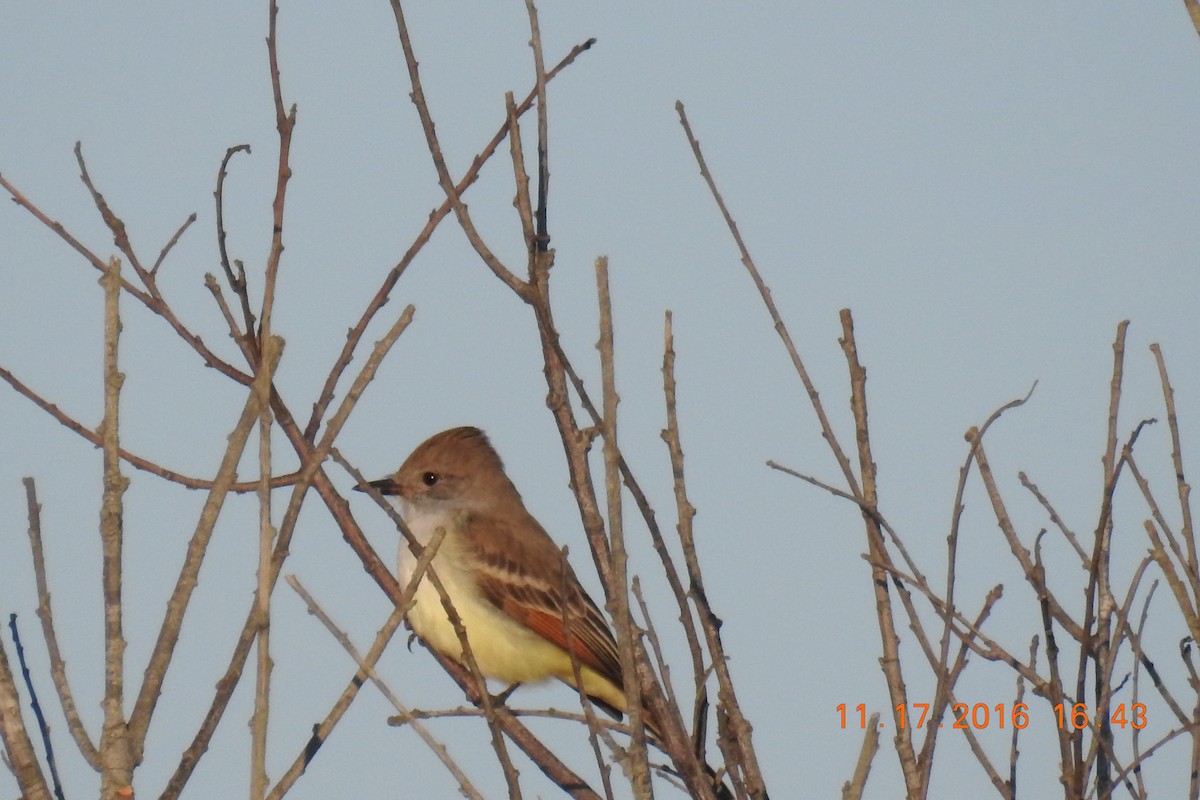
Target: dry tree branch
pixel 948 676
pixel 366 669
pixel 115 224
pixel 1014 752
pixel 22 758
pixel 1035 578
pixel 619 594
pixel 58 665
pixel 285 123
pixel 520 177
pixel 1135 739
pixel 272 351
pixel 589 711
pixel 435 217
pixel 168 635
pixel 1172 540
pixel 539 69
pixel 1184 490
pixel 685 514
pixel 940 666
pixel 36 707
pixel 877 549
pixel 132 459
pixel 170 245
pixel 1165 739
pixel 237 281
pixel 980 643
pixel 152 298
pixel 660 661
pixel 1193 8
pixel 765 292
pixel 98 263
pixel 487 703
pixel 310 474
pixel 117 747
pixel 439 162
pixel 1143 661
pixel 1067 533
pixel 1055 689
pixel 1182 598
pixel 1099 601
pixel 604 724
pixel 268 349
pixel 853 789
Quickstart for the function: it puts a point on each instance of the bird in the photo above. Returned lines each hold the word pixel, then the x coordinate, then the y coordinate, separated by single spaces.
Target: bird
pixel 505 577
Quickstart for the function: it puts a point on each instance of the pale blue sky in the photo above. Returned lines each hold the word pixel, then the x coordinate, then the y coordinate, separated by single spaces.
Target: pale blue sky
pixel 990 187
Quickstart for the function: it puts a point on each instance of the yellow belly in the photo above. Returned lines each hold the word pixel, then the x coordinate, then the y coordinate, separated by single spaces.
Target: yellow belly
pixel 503 648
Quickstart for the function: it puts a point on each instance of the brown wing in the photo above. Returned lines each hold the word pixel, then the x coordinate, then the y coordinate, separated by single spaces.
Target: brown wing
pixel 528 579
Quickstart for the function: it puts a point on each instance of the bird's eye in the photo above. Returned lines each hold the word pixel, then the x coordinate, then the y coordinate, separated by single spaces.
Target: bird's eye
pixel 429 478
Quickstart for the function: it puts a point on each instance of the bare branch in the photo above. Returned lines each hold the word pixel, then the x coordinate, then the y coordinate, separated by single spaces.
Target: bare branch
pixel 36 707
pixel 174 240
pixel 765 292
pixel 435 217
pixel 17 744
pixel 439 162
pixel 117 758
pixel 58 665
pixel 853 789
pixel 619 591
pixel 237 280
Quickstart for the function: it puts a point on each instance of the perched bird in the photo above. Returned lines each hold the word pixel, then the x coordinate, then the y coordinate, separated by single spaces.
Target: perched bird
pixel 505 577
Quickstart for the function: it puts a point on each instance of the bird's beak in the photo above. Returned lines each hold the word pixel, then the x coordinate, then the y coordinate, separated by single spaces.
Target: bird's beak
pixel 385 486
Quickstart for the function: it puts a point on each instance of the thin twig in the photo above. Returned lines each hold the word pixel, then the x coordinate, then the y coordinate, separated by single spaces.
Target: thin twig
pixel 890 639
pixel 185 584
pixel 589 711
pixel 435 217
pixel 1067 533
pixel 853 789
pixel 285 123
pixel 58 665
pixel 1099 601
pixel 155 304
pixel 1020 552
pixel 439 162
pixel 539 69
pixel 366 670
pixel 22 758
pixel 237 280
pixel 132 459
pixel 152 297
pixel 36 707
pixel 174 240
pixel 685 514
pixel 310 473
pixel 1181 484
pixel 619 599
pixel 765 292
pixel 940 695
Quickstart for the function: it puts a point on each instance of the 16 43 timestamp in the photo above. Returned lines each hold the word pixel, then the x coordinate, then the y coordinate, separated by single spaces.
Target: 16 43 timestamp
pixel 1002 715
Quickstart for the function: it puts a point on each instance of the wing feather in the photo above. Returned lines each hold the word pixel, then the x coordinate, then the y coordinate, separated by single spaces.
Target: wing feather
pixel 528 579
